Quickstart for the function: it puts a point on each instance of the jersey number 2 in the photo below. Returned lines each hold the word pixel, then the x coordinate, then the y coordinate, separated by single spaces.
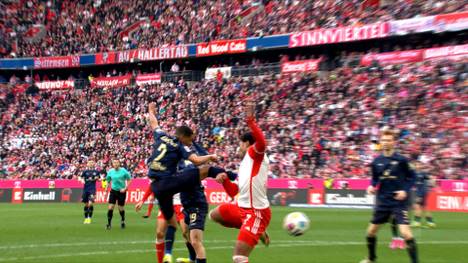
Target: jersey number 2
pixel 162 149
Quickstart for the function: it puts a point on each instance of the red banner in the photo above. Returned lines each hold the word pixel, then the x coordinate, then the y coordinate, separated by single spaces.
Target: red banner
pixel 56 62
pixel 450 52
pixel 338 35
pixel 300 66
pixel 111 82
pixel 105 58
pixel 448 201
pixel 452 22
pixel 170 52
pixel 55 85
pixel 390 58
pixel 222 47
pixel 148 79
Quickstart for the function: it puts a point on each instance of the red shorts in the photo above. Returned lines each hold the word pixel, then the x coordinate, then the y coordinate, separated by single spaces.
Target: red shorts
pixel 231 215
pixel 254 224
pixel 178 210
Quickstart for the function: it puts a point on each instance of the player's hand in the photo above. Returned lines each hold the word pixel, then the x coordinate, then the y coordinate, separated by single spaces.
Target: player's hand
pixel 138 206
pixel 221 177
pixel 400 195
pixel 214 158
pixel 371 190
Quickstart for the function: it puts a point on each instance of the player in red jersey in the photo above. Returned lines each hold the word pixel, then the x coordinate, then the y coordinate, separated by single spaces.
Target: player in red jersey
pixel 252 213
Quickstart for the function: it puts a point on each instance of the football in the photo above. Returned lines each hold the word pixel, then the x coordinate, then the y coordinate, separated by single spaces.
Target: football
pixel 296 223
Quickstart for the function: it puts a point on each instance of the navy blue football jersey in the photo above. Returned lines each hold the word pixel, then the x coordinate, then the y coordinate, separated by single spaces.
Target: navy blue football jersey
pixel 166 155
pixel 197 196
pixel 392 174
pixel 422 184
pixel 90 177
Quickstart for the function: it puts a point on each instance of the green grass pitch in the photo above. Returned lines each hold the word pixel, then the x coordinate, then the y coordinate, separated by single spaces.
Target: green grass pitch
pixel 55 233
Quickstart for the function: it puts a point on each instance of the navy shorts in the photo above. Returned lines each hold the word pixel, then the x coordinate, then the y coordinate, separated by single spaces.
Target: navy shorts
pixel 195 217
pixel 117 197
pixel 383 215
pixel 164 188
pixel 88 196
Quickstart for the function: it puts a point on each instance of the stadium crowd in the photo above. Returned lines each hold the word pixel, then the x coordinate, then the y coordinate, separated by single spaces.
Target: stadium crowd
pixel 77 27
pixel 318 125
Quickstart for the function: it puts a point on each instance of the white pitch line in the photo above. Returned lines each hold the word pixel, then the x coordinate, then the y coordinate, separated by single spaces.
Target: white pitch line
pixel 134 242
pixel 136 251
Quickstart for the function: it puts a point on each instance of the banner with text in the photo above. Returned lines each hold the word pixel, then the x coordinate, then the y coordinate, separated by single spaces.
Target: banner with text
pixel 339 34
pixel 412 25
pixel 160 53
pixel 310 65
pixel 451 22
pixel 450 52
pixel 56 62
pixel 222 47
pixel 448 201
pixel 148 79
pixel 348 197
pixel 111 82
pixel 55 85
pixel 390 58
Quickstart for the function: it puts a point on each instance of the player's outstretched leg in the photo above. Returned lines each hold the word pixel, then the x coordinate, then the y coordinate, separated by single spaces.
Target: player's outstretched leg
pixel 196 239
pixel 406 233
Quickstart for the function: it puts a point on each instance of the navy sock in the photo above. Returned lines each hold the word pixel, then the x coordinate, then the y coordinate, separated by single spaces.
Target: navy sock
pixel 86 213
pixel 110 213
pixel 90 211
pixel 191 250
pixel 201 260
pixel 412 250
pixel 170 233
pixel 214 171
pixel 122 215
pixel 394 229
pixel 371 242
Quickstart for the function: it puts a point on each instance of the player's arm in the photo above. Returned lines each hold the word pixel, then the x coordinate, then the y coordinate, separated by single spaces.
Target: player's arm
pixel 232 189
pixel 81 178
pixel 374 180
pixel 128 180
pixel 153 121
pixel 260 142
pixel 200 160
pixel 106 183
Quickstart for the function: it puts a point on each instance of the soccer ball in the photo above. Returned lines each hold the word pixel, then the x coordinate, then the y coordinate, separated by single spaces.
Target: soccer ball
pixel 296 223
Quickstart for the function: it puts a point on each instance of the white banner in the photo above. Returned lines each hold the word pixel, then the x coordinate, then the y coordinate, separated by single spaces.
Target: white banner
pixel 211 73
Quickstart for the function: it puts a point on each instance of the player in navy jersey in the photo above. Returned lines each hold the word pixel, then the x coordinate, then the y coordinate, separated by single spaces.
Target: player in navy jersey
pixel 167 152
pixel 392 180
pixel 423 184
pixel 195 211
pixel 88 178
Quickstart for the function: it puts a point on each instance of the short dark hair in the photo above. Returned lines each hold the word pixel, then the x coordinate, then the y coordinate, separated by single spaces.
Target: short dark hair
pixel 184 131
pixel 248 137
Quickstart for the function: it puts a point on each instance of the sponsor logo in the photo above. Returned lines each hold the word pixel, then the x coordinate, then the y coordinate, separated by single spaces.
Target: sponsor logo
pixel 349 197
pixel 218 197
pixel 39 196
pixel 222 47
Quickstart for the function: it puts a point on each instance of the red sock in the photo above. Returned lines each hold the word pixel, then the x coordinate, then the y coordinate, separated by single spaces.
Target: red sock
pixel 150 208
pixel 231 188
pixel 160 252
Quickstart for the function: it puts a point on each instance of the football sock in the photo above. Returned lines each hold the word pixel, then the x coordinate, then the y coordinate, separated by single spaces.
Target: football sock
pixel 86 213
pixel 122 215
pixel 214 171
pixel 429 219
pixel 110 213
pixel 412 250
pixel 150 208
pixel 201 260
pixel 170 233
pixel 191 250
pixel 417 218
pixel 394 229
pixel 90 211
pixel 371 242
pixel 160 251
